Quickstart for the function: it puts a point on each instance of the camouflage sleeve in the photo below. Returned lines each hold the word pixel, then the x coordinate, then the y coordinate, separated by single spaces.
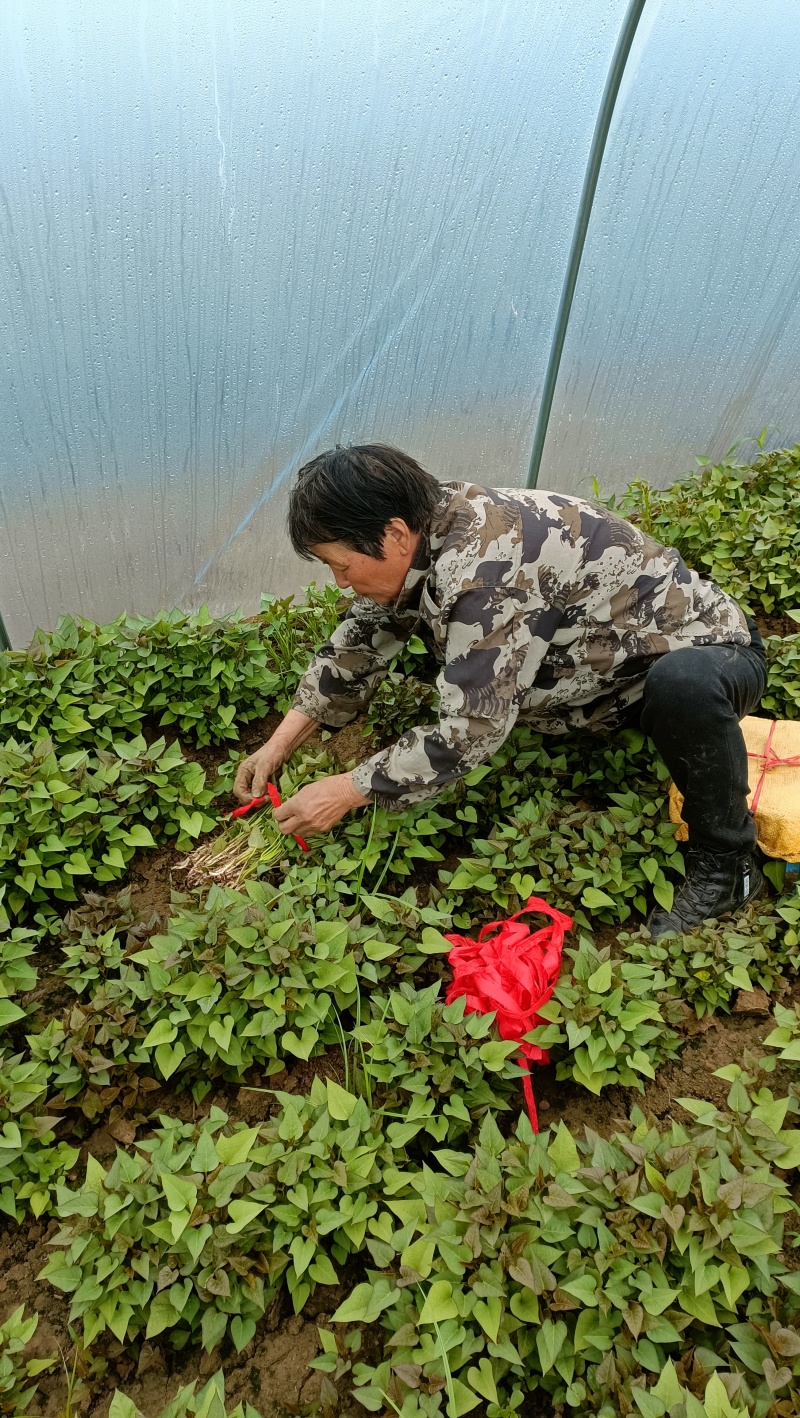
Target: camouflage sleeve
pixel 479 692
pixel 346 671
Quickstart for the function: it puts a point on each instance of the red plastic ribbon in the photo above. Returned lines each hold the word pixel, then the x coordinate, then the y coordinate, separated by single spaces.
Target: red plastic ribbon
pixel 245 808
pixel 771 760
pixel 512 972
pixel 275 798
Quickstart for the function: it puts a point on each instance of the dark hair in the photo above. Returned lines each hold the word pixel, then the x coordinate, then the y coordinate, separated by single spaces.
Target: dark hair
pixel 350 495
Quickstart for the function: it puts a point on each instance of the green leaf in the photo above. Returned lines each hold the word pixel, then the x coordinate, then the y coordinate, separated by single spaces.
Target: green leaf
pixel 162 1032
pixel 212 1328
pixel 419 1255
pixel 301 1046
pixel 494 1053
pixel 715 1399
pixel 169 1057
pixel 181 1194
pixel 583 1287
pixel 9 1013
pixel 789 1138
pixel 463 1399
pixel 489 1314
pixel 340 1103
pixel 242 1212
pixel 668 1389
pixel 594 899
pixel 237 1147
pixel 525 1306
pixel 161 1315
pixel 242 1331
pixel 739 977
pixel 549 1343
pixel 95 1176
pixel 302 1251
pixel 600 982
pixel 655 1301
pixel 433 942
pixel 563 1152
pixel 123 1407
pixel 322 1272
pixel 664 893
pixel 205 1157
pixel 366 1302
pixel 482 1380
pixel 139 836
pixel 439 1304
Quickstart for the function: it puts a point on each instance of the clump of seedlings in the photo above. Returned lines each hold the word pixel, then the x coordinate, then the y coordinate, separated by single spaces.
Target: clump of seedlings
pixel 239 851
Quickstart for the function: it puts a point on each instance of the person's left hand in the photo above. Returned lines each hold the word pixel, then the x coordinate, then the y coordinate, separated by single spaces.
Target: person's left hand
pixel 317 806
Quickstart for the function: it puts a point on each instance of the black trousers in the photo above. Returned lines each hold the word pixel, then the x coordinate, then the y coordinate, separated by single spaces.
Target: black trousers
pixel 693 701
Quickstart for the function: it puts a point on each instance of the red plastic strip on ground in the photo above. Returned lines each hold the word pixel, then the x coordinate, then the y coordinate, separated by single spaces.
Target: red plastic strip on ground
pixel 511 971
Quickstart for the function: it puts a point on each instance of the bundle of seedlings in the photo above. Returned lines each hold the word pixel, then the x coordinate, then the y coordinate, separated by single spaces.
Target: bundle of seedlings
pixel 235 853
pixel 241 849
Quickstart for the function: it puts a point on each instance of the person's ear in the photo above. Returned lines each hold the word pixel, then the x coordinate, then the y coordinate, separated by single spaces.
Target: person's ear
pixel 400 535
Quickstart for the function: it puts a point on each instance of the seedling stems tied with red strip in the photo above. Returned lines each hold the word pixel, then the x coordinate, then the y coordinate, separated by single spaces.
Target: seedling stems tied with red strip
pixel 273 796
pixel 240 848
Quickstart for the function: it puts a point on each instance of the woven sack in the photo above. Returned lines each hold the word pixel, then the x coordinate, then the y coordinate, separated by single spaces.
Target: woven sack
pixel 773 752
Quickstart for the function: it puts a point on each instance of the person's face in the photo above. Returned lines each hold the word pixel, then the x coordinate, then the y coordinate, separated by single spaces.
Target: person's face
pixel 381 581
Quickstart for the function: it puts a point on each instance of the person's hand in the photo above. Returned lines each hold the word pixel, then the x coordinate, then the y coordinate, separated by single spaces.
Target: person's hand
pixel 256 771
pixel 318 806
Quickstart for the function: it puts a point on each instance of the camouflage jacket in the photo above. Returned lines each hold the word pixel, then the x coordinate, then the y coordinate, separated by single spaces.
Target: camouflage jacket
pixel 539 607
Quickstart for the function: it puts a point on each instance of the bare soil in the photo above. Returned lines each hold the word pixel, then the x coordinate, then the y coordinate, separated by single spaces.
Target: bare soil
pixel 774 623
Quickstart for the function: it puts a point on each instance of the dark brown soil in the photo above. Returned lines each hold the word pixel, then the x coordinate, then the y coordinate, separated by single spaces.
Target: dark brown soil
pixel 351 744
pixel 151 881
pixel 724 1040
pixel 775 623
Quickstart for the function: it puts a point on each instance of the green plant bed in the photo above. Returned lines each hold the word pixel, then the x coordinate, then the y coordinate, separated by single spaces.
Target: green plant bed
pixel 759 949
pixel 734 523
pixel 79 817
pixel 430 1065
pixel 242 979
pixel 649 1273
pixel 581 1269
pixel 16 1371
pixel 782 699
pixel 87 685
pixel 193 1233
pixel 32 1162
pixel 604 1022
pixel 189 1402
pixel 604 861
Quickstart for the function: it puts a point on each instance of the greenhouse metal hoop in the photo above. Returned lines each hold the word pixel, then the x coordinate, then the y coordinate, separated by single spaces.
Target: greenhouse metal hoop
pixel 604 116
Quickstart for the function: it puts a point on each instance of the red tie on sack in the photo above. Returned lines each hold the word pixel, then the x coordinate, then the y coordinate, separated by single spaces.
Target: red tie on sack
pixel 771 760
pixel 275 798
pixel 512 972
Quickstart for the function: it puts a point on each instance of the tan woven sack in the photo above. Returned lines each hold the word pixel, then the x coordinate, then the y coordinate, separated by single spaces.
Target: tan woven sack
pixel 774 786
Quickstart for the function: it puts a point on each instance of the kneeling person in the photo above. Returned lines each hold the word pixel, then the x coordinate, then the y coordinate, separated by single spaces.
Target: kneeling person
pixel 541 608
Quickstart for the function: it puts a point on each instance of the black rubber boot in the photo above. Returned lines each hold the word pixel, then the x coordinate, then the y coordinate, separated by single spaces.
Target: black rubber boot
pixel 716 882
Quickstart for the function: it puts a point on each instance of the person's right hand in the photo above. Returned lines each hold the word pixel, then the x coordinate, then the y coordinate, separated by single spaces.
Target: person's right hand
pixel 256 771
